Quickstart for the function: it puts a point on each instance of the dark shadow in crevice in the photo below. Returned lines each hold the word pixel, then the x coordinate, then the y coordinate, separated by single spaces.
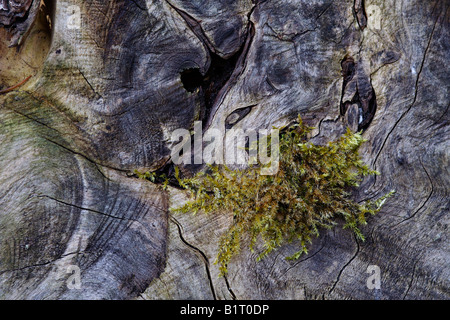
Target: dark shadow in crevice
pixel 359 12
pixel 217 76
pixel 353 79
pixel 236 116
pixel 219 72
pixel 191 79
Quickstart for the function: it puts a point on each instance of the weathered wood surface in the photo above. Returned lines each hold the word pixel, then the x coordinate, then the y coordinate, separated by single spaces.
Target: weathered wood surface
pixel 104 98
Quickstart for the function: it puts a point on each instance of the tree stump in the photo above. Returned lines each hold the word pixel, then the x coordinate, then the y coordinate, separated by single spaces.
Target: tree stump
pixel 92 90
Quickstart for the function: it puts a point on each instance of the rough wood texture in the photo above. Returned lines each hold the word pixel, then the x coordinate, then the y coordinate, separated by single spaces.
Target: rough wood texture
pixel 111 89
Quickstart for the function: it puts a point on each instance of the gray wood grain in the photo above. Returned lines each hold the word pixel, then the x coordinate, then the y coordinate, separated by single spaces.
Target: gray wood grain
pixel 108 95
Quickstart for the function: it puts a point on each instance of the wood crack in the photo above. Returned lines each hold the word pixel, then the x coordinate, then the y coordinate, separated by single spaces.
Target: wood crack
pixel 43 263
pixel 15 86
pixel 344 267
pixel 198 251
pixel 233 296
pixel 88 209
pixel 222 72
pixel 307 258
pixel 426 200
pixel 87 158
pixel 416 89
pixel 412 279
pixel 195 27
pixel 90 85
pixel 139 6
pixel 236 73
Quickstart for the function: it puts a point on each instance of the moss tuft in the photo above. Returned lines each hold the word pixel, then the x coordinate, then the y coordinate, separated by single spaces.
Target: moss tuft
pixel 310 191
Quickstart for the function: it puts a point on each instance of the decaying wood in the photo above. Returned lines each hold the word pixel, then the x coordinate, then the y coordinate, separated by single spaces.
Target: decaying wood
pixel 18 16
pixel 111 83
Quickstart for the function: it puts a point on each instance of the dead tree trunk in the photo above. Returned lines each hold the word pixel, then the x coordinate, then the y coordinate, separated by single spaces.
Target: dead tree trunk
pixel 110 81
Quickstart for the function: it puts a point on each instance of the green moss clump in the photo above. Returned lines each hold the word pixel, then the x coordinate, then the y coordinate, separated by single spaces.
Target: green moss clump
pixel 311 190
